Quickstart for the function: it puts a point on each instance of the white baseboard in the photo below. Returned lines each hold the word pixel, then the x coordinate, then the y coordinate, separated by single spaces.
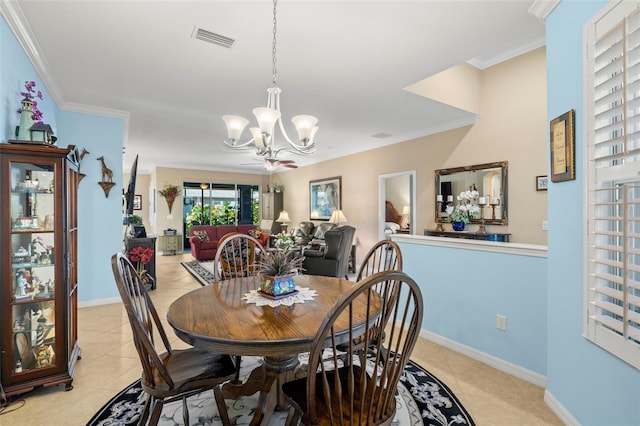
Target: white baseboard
pixel 495 362
pixel 522 373
pixel 559 410
pixel 99 302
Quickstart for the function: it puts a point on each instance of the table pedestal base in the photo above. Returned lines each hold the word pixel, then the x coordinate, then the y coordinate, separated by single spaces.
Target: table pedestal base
pixel 268 380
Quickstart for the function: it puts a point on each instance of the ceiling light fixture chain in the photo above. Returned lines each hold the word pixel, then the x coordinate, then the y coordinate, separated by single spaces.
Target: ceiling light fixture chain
pixel 275 41
pixel 263 136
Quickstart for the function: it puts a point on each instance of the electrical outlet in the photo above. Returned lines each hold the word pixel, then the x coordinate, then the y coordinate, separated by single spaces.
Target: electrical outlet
pixel 501 322
pixel 545 225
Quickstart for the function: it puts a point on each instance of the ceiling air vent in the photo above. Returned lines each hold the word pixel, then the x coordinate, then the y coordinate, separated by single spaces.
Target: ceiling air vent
pixel 381 135
pixel 211 37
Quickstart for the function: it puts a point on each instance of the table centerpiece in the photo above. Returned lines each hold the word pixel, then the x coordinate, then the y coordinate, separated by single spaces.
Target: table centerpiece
pixel 278 268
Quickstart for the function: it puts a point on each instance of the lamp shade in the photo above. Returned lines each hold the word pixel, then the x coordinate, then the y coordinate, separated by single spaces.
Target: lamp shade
pixel 235 126
pixel 267 118
pixel 284 217
pixel 337 217
pixel 305 125
pixel 405 210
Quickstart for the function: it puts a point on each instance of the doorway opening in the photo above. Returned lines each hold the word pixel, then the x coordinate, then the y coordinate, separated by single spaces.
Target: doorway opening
pixel 400 190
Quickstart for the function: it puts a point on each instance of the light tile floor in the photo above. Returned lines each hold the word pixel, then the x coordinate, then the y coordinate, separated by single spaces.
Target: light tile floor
pixel 109 363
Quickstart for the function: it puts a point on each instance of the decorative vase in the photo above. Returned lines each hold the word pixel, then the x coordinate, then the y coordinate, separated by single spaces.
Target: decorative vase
pixel 279 285
pixel 26 120
pixel 458 226
pixel 170 203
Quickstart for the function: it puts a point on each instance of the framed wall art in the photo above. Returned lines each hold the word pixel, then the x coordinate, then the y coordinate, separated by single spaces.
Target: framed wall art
pixel 563 156
pixel 542 183
pixel 325 196
pixel 137 202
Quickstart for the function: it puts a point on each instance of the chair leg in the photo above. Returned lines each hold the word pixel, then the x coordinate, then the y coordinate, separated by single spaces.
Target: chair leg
pixel 237 362
pixel 185 411
pixel 157 411
pixel 222 407
pixel 145 410
pixel 295 414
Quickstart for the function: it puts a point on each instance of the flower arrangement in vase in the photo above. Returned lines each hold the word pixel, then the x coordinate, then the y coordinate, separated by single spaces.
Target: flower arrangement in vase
pixel 29 112
pixel 283 241
pixel 140 256
pixel 466 209
pixel 169 193
pixel 278 268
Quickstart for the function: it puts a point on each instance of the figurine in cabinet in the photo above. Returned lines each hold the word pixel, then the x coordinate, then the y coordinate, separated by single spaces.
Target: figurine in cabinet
pixel 21 283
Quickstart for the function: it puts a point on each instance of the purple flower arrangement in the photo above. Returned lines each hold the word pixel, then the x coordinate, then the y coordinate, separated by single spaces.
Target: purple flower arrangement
pixel 31 94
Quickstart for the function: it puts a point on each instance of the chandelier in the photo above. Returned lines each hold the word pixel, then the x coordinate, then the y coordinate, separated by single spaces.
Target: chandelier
pixel 263 136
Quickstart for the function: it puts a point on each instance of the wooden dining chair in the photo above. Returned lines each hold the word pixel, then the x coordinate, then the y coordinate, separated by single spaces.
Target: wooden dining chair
pixel 359 393
pixel 173 374
pixel 385 255
pixel 238 255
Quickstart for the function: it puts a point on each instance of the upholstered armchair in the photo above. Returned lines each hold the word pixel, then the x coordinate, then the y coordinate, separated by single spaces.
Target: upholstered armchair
pixel 317 241
pixel 304 233
pixel 333 259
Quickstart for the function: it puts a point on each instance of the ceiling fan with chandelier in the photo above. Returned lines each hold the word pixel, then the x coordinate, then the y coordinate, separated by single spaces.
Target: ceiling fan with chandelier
pixel 271 161
pixel 263 136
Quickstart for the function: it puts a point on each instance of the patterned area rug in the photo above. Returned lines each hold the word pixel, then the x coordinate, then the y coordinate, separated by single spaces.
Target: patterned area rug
pixel 202 271
pixel 422 399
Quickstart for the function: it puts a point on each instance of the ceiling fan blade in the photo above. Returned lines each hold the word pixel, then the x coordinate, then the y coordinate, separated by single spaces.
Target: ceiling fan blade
pixel 286 161
pixel 291 166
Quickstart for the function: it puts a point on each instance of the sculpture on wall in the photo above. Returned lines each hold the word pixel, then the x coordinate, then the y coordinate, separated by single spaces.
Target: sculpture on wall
pixel 82 154
pixel 107 177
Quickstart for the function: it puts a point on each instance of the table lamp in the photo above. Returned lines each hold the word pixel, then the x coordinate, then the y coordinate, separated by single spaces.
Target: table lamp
pixel 337 217
pixel 405 216
pixel 283 219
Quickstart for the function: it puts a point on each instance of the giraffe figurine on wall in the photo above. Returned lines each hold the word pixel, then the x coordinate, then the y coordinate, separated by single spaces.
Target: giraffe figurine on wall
pixel 107 177
pixel 106 172
pixel 82 154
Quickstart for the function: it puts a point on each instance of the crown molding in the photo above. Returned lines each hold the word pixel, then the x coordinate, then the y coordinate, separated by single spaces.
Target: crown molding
pixel 19 25
pixel 542 8
pixel 483 62
pixel 14 16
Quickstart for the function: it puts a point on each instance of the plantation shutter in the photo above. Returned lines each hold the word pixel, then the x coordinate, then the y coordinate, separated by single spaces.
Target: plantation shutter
pixel 612 106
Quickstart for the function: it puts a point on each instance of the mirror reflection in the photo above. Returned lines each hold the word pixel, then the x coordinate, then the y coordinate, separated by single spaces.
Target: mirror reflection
pixel 489 179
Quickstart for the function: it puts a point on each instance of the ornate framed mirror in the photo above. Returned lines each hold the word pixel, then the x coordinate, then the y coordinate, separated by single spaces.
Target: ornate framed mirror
pixel 489 179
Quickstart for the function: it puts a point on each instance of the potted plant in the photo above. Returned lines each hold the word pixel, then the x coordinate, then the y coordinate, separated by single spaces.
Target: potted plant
pixel 140 256
pixel 466 209
pixel 283 241
pixel 278 268
pixel 134 219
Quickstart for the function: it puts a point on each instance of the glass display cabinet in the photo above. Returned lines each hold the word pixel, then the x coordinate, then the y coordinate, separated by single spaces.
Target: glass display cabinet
pixel 38 258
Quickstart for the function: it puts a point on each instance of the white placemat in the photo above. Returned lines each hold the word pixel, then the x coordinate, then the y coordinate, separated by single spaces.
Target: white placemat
pixel 303 294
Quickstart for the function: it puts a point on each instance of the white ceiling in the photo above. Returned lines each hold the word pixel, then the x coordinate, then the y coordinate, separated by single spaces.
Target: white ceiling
pixel 346 62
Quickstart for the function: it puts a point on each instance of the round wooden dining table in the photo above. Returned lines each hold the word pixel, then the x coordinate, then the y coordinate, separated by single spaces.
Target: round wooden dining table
pixel 216 318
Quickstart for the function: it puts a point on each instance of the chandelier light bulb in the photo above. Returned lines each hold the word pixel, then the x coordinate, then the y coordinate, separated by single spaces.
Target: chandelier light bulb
pixel 258 140
pixel 305 125
pixel 235 126
pixel 267 118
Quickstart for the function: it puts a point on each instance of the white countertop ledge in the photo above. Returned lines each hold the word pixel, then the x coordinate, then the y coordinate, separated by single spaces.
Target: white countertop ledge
pixel 518 249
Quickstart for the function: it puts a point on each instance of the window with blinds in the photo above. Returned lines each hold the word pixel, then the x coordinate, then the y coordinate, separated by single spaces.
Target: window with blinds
pixel 612 107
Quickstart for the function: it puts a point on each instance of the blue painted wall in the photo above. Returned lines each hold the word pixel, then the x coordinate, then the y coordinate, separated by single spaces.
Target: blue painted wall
pixel 608 394
pixel 464 290
pixel 99 218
